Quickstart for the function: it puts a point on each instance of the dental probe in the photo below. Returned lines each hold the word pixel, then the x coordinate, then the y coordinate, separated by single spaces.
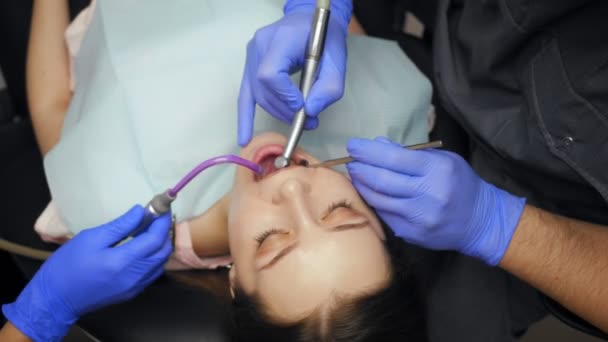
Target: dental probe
pixel 161 203
pixel 345 160
pixel 314 51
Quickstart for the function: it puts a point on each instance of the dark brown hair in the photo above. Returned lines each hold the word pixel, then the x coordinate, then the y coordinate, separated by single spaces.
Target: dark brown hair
pixel 393 313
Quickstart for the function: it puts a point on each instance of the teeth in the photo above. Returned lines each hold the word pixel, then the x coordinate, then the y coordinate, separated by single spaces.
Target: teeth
pixel 269 167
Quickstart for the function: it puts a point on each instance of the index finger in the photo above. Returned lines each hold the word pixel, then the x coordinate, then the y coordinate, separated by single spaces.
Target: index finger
pixel 389 156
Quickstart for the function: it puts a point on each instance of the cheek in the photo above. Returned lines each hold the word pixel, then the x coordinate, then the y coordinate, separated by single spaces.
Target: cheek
pixel 242 201
pixel 246 214
pixel 241 178
pixel 241 240
pixel 242 248
pixel 239 220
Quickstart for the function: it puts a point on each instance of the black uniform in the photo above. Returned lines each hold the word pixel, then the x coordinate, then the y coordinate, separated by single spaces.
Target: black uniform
pixel 528 81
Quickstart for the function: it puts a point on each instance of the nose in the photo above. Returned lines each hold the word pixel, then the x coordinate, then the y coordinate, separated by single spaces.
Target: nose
pixel 294 188
pixel 294 195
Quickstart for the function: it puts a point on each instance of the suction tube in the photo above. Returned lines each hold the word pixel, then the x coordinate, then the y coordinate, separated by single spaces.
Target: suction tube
pixel 160 204
pixel 227 159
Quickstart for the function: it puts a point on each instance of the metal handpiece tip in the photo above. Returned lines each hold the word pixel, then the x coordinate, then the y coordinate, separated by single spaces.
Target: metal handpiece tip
pixel 281 162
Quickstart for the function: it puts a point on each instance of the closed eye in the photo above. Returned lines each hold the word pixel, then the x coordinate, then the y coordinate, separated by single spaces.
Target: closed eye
pixel 350 226
pixel 266 234
pixel 336 205
pixel 285 251
pixel 332 208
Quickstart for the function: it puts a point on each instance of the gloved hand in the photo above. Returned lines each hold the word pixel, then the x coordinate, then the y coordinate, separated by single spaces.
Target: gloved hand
pixel 86 274
pixel 278 50
pixel 434 199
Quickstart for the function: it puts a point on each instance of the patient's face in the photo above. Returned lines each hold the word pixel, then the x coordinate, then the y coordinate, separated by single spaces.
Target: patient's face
pixel 301 237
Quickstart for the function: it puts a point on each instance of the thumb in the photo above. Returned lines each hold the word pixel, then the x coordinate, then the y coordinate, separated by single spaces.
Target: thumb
pixel 323 93
pixel 118 229
pixel 311 123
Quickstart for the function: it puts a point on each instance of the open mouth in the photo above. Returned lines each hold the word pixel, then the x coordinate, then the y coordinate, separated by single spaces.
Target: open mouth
pixel 266 155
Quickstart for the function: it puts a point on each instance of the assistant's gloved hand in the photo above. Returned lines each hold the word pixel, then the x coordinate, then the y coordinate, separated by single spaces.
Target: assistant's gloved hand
pixel 86 274
pixel 278 50
pixel 434 199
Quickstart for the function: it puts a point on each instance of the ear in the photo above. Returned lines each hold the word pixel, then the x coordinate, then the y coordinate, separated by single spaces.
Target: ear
pixel 232 279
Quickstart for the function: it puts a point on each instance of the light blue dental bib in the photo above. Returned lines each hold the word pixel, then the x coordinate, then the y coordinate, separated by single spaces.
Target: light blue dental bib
pixel 157 89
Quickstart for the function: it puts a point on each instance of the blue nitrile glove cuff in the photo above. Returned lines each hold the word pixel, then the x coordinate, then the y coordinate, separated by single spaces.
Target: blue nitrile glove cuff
pixel 341 10
pixel 39 315
pixel 497 215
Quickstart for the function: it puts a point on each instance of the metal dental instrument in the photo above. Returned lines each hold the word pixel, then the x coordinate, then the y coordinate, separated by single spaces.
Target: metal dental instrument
pixel 345 160
pixel 161 203
pixel 310 71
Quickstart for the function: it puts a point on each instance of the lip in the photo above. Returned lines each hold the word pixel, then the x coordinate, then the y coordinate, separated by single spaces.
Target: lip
pixel 275 150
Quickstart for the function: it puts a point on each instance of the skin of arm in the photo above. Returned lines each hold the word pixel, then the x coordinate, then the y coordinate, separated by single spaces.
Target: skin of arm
pixel 564 258
pixel 9 333
pixel 48 91
pixel 47 72
pixel 354 27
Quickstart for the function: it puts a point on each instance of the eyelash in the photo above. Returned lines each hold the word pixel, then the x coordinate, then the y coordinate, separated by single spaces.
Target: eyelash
pixel 341 204
pixel 264 235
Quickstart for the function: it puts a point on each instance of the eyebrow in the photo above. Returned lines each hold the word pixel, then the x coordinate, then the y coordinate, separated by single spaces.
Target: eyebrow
pixel 288 249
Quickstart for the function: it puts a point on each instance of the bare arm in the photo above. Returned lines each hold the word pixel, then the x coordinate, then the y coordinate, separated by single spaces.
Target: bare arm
pixel 48 74
pixel 354 27
pixel 9 333
pixel 565 259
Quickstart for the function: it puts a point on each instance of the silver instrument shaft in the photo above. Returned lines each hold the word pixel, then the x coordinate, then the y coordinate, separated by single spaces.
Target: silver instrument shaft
pixel 310 71
pixel 345 160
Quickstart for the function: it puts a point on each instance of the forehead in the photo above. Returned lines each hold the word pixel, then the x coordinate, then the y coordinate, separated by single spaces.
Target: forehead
pixel 343 264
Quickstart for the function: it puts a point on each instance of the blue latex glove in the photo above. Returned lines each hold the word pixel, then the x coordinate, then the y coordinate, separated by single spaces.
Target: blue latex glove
pixel 434 199
pixel 278 50
pixel 86 274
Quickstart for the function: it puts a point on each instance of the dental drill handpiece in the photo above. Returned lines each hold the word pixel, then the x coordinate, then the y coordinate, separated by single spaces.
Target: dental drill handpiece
pixel 314 52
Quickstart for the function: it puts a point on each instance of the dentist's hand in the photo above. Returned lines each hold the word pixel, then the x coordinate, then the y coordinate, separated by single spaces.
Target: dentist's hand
pixel 278 50
pixel 434 199
pixel 87 273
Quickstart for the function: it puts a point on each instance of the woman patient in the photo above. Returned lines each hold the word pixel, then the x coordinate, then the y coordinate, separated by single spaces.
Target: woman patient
pixel 311 262
pixel 154 93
